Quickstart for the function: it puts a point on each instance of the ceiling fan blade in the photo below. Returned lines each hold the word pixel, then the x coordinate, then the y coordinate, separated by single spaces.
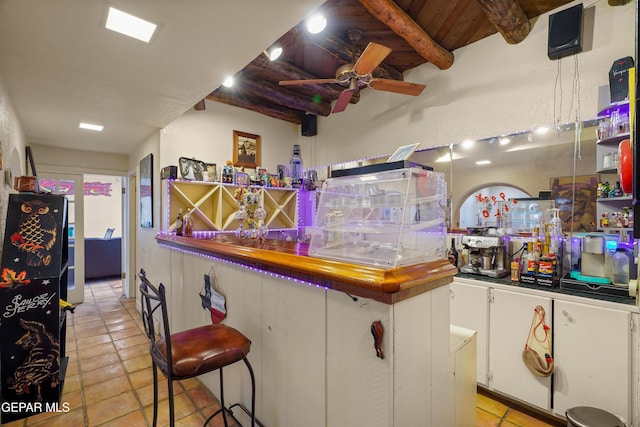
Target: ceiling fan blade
pixel 372 56
pixel 306 82
pixel 396 86
pixel 343 100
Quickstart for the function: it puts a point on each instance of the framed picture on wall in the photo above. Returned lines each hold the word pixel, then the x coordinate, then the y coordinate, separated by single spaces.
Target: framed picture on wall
pixel 246 149
pixel 146 192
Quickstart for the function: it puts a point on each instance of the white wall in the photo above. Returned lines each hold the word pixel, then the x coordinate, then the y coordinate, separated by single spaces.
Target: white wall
pixel 102 211
pixel 208 136
pixel 12 143
pixel 493 88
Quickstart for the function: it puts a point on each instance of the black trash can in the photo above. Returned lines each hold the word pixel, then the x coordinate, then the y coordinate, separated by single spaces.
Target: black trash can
pixel 586 416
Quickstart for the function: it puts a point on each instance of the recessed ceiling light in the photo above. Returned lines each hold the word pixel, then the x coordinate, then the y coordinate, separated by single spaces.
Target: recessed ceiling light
pixel 130 25
pixel 542 130
pixel 274 53
pixel 228 82
pixel 316 23
pixel 467 143
pixel 91 126
pixel 483 162
pixel 504 140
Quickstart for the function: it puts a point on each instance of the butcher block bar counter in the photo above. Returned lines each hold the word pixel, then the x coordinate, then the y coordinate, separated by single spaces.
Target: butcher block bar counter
pixel 291 259
pixel 311 322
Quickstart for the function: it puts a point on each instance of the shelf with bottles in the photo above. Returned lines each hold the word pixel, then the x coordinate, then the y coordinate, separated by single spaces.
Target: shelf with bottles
pixel 213 205
pixel 624 198
pixel 614 125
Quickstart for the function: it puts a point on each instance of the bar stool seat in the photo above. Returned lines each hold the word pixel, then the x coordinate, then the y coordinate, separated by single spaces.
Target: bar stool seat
pixel 204 349
pixel 190 353
pixel 586 416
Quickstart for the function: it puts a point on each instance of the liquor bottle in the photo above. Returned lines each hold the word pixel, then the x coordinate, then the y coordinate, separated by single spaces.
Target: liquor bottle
pixel 452 254
pixel 188 224
pixel 179 223
pixel 296 167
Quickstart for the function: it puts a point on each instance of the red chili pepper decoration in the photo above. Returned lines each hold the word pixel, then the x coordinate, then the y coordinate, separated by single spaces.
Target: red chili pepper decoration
pixel 485 213
pixel 503 196
pixel 479 197
pixel 494 199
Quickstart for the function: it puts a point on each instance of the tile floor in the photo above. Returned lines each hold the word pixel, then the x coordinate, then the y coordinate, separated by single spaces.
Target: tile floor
pixel 109 380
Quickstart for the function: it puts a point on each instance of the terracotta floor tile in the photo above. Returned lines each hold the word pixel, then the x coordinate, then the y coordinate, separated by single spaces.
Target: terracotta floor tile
pixel 99 362
pixel 183 408
pixel 134 419
pixel 131 341
pixel 201 396
pixel 90 342
pixel 88 325
pixel 102 374
pixel 72 383
pixel 194 420
pixel 137 363
pixel 111 408
pixel 101 391
pixel 96 350
pixel 142 377
pixel 127 324
pixel 72 400
pixel 127 333
pixel 524 420
pixel 145 393
pixel 485 419
pixel 117 317
pixel 86 333
pixel 70 419
pixel 135 351
pixel 491 406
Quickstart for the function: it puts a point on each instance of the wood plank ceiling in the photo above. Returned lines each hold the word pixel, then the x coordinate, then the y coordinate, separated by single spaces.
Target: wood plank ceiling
pixel 417 31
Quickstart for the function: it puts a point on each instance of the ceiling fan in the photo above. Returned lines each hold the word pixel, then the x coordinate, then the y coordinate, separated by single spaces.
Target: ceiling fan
pixel 357 74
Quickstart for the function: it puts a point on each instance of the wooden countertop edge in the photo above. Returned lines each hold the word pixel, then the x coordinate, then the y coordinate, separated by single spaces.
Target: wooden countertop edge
pixel 385 285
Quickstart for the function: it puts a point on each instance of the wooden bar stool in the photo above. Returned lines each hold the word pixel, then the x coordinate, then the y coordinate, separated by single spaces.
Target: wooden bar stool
pixel 190 353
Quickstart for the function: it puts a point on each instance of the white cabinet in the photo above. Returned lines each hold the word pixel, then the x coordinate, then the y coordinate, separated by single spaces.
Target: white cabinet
pixel 592 351
pixel 595 347
pixel 470 309
pixel 510 317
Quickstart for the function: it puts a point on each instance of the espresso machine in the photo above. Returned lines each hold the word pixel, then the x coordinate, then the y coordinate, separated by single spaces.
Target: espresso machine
pixel 487 255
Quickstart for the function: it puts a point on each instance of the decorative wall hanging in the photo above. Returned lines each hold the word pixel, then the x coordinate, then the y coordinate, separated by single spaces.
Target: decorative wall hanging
pixel 246 149
pixel 146 192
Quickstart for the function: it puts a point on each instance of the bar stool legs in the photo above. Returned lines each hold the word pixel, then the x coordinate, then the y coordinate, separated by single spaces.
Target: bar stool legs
pixel 224 410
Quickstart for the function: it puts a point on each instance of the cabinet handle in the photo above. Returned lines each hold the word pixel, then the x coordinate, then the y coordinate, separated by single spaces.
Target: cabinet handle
pixel 377 330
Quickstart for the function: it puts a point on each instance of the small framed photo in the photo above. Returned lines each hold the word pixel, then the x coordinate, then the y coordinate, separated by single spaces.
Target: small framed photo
pixel 246 149
pixel 241 179
pixel 403 153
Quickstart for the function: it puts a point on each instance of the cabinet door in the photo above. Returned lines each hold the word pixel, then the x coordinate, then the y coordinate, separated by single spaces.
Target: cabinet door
pixel 592 358
pixel 470 309
pixel 511 314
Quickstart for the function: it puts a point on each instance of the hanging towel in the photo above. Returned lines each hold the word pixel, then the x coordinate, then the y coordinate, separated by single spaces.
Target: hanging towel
pixel 537 350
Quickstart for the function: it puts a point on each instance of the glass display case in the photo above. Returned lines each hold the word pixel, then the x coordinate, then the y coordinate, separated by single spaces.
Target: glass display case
pixel 385 219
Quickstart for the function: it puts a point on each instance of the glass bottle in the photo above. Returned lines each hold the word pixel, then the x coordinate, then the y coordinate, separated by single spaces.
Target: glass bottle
pixel 179 223
pixel 452 254
pixel 296 167
pixel 188 224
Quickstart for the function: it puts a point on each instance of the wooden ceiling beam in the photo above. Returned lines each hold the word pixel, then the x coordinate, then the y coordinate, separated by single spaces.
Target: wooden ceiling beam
pixel 342 51
pixel 282 70
pixel 255 87
pixel 388 12
pixel 271 110
pixel 507 17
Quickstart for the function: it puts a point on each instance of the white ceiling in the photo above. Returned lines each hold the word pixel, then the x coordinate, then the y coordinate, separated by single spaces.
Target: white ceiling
pixel 61 66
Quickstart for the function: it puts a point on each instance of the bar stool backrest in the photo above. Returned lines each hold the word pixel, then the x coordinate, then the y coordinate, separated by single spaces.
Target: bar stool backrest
pixel 154 299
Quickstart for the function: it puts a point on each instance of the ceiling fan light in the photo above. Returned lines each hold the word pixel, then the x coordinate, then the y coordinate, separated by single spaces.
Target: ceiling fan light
pixel 316 23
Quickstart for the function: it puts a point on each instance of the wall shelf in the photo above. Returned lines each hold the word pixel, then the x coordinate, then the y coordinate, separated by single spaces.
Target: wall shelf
pixel 214 206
